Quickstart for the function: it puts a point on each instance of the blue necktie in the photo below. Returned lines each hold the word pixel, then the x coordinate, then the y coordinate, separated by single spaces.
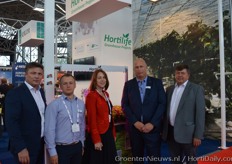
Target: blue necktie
pixel 140 83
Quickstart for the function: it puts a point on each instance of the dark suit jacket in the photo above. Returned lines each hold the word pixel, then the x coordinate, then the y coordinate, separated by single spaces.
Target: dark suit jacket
pixel 190 115
pixel 4 88
pixel 152 107
pixel 23 120
pixel 97 115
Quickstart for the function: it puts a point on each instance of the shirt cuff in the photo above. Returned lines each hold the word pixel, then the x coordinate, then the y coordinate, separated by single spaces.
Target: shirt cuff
pixel 52 152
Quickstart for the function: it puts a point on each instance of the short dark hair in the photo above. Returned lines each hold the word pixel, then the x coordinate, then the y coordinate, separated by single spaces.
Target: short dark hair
pixel 181 67
pixel 93 83
pixel 66 75
pixel 4 81
pixel 33 65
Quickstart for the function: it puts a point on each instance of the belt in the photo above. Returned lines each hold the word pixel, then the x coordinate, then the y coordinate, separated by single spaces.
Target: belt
pixel 66 144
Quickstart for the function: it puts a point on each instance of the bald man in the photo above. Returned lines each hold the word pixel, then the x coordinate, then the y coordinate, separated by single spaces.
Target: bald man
pixel 144 104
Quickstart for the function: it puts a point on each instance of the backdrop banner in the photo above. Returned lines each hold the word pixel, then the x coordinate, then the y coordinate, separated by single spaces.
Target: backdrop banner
pixel 18 73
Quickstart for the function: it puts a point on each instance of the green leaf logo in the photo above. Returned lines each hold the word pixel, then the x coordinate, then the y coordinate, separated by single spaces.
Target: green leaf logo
pixel 125 35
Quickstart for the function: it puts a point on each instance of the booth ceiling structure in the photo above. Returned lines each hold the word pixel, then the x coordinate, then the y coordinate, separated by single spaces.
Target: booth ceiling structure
pixel 22 10
pixel 16 13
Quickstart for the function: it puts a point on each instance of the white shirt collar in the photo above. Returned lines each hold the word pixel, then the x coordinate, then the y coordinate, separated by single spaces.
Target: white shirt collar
pixel 30 87
pixel 184 84
pixel 144 80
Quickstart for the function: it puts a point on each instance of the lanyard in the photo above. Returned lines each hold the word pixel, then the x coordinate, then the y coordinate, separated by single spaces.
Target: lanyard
pixel 69 115
pixel 108 101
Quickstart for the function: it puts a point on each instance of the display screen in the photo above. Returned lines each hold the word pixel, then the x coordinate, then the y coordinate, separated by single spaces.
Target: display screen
pixel 85 61
pixel 82 76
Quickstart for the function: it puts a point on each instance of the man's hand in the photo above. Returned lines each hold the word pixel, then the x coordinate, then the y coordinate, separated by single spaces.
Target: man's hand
pixel 54 159
pixel 139 125
pixel 23 156
pixel 196 142
pixel 147 127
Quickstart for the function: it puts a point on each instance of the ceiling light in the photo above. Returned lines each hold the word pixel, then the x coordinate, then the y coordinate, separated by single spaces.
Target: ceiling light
pixel 38 9
pixel 39 6
pixel 154 0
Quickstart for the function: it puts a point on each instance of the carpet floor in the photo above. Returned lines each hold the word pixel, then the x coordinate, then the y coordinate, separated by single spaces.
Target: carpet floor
pixel 208 146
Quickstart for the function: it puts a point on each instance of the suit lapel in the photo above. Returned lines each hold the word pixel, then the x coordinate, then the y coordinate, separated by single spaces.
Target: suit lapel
pixel 43 96
pixel 148 91
pixel 184 96
pixel 170 93
pixel 136 89
pixel 30 96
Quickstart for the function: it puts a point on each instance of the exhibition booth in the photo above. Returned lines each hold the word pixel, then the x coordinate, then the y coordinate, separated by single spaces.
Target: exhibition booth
pixel 95 40
pixel 101 37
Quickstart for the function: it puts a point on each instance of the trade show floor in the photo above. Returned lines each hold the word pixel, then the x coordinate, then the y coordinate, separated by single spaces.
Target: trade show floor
pixel 208 146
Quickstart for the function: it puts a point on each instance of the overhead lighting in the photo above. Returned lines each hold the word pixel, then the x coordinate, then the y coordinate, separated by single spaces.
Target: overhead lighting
pixel 39 6
pixel 38 9
pixel 154 0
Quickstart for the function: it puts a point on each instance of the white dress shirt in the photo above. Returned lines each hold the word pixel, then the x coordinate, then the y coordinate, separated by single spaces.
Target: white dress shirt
pixel 176 96
pixel 40 104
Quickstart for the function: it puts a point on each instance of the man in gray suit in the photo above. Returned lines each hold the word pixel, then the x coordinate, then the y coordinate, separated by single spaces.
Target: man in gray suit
pixel 185 117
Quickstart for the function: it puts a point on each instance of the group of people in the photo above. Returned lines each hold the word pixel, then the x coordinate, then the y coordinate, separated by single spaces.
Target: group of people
pixel 177 117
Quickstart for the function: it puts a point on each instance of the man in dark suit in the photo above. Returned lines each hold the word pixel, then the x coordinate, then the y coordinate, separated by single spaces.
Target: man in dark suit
pixel 25 107
pixel 185 117
pixel 144 103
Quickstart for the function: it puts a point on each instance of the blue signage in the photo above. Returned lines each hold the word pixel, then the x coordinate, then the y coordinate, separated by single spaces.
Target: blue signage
pixel 18 73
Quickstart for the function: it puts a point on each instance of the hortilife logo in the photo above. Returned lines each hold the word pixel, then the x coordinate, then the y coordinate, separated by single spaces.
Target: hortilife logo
pixel 75 2
pixel 78 5
pixel 118 42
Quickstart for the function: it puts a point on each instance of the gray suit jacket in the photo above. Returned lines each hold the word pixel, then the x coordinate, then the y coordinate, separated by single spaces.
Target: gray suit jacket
pixel 190 115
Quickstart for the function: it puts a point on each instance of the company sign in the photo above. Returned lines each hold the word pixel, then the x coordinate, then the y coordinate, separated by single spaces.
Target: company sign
pixel 18 73
pixel 90 10
pixel 32 34
pixel 79 5
pixel 74 7
pixel 121 42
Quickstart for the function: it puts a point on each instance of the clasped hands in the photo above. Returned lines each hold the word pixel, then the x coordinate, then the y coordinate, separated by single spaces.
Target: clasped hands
pixel 145 128
pixel 98 146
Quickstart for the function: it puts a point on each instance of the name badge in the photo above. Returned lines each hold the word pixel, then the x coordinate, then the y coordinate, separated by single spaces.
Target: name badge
pixel 75 127
pixel 148 87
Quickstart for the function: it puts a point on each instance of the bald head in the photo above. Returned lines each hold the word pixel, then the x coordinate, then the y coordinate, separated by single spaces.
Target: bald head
pixel 140 68
pixel 140 60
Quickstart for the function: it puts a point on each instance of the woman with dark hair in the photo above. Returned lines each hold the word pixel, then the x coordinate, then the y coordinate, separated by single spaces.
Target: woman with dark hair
pixel 101 139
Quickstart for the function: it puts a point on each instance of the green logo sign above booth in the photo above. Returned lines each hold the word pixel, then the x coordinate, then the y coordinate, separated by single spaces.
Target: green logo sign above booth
pixel 31 34
pixel 40 30
pixel 90 10
pixel 79 5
